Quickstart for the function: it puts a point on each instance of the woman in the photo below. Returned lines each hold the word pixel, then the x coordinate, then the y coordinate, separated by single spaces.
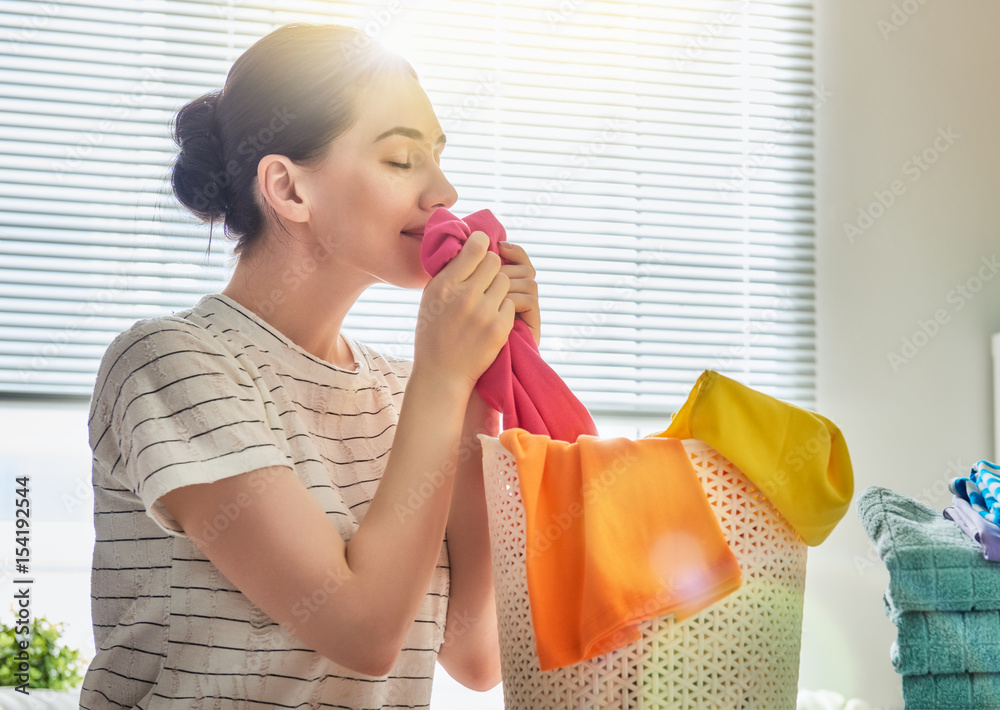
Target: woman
pixel 257 543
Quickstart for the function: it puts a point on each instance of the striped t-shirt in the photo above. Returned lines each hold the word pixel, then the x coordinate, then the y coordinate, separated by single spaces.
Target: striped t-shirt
pixel 191 398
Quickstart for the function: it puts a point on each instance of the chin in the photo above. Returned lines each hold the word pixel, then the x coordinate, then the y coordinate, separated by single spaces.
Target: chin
pixel 415 280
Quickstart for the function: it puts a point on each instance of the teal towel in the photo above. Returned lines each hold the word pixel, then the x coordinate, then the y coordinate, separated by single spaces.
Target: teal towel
pixel 956 691
pixel 933 565
pixel 947 642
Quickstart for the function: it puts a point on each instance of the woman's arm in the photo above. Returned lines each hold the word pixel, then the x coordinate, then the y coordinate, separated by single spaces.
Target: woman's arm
pixel 471 649
pixel 355 602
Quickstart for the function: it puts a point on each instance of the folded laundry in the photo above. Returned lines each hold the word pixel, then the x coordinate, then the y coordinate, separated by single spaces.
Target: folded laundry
pixel 616 532
pixel 947 642
pixel 977 527
pixel 981 489
pixel 797 458
pixel 952 691
pixel 519 383
pixel 966 489
pixel 933 565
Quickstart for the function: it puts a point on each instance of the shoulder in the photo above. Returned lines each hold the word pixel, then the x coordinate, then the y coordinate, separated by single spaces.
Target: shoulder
pixel 198 326
pixel 152 338
pixel 156 351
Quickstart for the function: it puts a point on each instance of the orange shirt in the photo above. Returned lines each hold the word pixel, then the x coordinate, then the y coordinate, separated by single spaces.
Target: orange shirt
pixel 617 532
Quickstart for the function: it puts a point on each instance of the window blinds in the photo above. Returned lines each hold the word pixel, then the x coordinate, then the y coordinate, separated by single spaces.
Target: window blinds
pixel 654 158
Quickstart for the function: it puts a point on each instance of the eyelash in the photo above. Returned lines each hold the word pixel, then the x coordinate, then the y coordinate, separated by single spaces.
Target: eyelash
pixel 404 166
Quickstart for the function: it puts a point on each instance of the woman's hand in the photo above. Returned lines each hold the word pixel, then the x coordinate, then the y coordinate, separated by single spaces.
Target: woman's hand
pixel 523 288
pixel 465 316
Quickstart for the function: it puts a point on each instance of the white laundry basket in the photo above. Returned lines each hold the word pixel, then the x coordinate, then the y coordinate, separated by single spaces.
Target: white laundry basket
pixel 742 652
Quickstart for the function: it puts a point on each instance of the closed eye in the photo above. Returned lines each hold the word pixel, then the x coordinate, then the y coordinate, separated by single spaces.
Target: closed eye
pixel 404 166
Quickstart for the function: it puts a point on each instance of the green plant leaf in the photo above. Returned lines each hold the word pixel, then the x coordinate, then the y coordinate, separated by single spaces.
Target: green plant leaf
pixel 51 664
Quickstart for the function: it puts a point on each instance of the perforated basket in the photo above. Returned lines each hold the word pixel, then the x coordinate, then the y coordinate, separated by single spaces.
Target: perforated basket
pixel 742 652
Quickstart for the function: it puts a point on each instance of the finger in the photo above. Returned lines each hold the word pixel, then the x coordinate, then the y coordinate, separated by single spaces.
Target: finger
pixel 507 311
pixel 514 253
pixel 468 258
pixel 525 286
pixel 522 302
pixel 485 273
pixel 497 291
pixel 519 271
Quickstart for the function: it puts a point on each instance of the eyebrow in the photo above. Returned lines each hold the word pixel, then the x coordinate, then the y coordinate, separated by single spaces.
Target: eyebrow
pixel 409 133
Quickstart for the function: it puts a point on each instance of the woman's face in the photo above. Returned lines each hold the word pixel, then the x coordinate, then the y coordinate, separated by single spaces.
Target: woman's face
pixel 380 182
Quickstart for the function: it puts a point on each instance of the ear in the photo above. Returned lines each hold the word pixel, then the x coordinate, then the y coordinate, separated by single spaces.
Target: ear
pixel 277 178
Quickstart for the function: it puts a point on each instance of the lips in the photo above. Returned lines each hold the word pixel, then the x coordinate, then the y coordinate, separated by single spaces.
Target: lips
pixel 413 233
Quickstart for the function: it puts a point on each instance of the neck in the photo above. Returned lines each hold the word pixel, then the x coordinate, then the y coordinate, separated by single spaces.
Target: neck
pixel 304 297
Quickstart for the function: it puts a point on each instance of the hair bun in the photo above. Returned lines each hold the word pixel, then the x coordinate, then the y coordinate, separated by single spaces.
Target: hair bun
pixel 199 177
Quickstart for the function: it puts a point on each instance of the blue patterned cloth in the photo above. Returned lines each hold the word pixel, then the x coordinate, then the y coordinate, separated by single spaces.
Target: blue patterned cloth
pixel 981 489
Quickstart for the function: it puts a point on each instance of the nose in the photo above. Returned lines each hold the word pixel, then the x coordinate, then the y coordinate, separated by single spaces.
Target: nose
pixel 439 192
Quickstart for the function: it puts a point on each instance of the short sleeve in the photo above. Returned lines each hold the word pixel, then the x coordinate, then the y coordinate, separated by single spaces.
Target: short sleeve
pixel 180 409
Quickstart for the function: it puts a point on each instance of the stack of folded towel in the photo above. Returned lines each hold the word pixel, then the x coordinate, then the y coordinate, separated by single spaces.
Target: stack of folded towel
pixel 943 597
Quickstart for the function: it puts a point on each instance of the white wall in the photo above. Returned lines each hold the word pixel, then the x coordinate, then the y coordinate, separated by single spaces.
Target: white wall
pixel 900 73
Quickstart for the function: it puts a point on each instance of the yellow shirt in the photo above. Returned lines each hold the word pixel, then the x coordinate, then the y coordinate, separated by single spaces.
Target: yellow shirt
pixel 797 458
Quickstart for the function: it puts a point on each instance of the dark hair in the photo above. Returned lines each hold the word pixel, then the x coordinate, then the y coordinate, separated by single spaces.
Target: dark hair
pixel 291 93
